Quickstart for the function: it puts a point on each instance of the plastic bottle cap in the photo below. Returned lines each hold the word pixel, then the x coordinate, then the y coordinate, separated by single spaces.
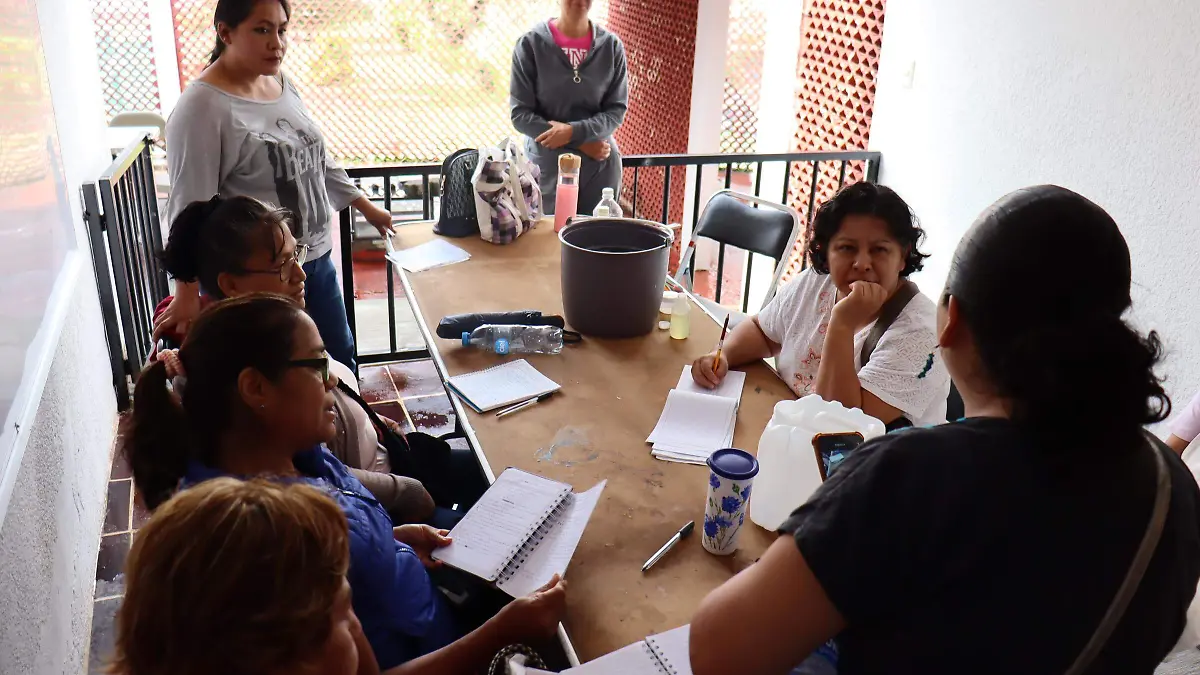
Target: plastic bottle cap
pixel 664 325
pixel 733 464
pixel 606 193
pixel 466 339
pixel 669 296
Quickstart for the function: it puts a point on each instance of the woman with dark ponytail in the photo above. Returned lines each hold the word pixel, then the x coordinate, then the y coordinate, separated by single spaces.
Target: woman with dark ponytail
pixel 240 245
pixel 258 404
pixel 241 129
pixel 1045 533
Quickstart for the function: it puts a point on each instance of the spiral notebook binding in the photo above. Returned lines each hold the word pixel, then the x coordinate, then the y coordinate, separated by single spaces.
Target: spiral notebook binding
pixel 534 538
pixel 659 664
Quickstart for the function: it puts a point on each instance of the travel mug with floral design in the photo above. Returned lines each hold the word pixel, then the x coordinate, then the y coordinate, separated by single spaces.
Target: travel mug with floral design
pixel 731 474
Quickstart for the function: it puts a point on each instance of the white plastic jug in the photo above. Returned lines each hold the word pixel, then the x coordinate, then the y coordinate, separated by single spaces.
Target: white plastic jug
pixel 788 472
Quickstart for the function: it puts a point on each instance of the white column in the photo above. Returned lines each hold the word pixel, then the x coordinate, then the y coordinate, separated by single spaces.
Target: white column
pixel 708 83
pixel 166 61
pixel 777 93
pixel 776 111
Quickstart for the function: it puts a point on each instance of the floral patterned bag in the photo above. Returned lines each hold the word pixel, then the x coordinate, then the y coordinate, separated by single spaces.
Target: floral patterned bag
pixel 508 201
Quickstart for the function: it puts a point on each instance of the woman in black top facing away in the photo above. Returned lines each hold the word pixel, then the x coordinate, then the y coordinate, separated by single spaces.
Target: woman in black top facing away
pixel 995 544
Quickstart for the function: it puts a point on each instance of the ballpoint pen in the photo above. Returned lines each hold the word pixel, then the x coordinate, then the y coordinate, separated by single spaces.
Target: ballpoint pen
pixel 658 555
pixel 523 405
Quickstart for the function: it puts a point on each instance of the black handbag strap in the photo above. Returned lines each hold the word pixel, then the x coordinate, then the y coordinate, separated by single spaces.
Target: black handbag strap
pixel 354 395
pixel 887 316
pixel 1137 568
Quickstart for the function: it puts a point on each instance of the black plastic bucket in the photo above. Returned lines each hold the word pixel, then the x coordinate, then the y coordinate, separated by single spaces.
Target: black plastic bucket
pixel 613 271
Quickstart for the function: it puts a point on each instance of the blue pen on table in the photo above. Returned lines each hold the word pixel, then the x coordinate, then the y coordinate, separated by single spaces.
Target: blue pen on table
pixel 523 405
pixel 666 548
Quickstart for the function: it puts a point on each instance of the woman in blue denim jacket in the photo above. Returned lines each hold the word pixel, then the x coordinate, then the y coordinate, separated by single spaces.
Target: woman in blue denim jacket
pixel 259 403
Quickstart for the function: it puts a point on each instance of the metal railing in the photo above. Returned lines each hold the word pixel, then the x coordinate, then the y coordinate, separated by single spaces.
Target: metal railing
pixel 813 161
pixel 866 164
pixel 123 227
pixel 121 210
pixel 391 192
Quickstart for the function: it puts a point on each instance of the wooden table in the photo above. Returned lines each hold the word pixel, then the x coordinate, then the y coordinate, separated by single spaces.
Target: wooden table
pixel 612 394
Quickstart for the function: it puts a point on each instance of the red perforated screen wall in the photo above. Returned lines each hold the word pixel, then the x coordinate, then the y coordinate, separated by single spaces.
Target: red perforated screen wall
pixel 839 61
pixel 660 44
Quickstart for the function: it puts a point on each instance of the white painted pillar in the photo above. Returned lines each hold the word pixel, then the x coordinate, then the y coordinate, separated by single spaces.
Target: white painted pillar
pixel 166 61
pixel 776 111
pixel 708 83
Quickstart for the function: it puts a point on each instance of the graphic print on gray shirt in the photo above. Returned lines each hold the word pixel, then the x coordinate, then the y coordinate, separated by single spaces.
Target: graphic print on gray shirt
pixel 218 143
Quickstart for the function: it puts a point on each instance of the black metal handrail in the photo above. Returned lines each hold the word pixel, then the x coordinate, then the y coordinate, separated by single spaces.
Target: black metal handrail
pixel 121 210
pixel 638 163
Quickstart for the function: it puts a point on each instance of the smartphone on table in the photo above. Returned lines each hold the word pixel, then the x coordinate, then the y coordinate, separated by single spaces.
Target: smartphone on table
pixel 833 449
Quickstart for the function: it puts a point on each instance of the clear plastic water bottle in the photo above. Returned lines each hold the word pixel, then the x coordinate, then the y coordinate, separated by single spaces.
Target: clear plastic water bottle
pixel 516 339
pixel 608 205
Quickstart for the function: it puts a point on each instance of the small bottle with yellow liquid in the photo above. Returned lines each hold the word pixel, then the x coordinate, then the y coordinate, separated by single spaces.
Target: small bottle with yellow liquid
pixel 681 320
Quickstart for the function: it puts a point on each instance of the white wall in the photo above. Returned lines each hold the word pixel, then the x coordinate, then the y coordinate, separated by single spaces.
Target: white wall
pixel 1099 96
pixel 51 530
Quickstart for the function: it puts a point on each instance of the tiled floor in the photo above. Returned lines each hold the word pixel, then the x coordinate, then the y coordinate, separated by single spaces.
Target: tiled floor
pixel 410 393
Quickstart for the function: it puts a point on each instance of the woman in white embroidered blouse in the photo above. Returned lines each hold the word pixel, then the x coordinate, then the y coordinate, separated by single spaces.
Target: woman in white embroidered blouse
pixel 862 244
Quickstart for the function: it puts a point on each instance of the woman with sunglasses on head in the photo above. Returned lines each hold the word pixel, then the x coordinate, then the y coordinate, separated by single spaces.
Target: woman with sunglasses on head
pixel 259 403
pixel 1046 533
pixel 240 245
pixel 241 129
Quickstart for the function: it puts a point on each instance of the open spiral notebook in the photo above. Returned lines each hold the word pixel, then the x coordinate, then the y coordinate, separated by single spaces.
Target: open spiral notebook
pixel 522 532
pixel 662 654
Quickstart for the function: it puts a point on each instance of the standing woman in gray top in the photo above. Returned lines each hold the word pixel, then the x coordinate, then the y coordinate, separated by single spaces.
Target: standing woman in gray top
pixel 569 93
pixel 241 129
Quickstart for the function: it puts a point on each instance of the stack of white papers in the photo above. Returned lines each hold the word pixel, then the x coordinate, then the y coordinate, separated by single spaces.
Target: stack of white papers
pixel 697 422
pixel 436 253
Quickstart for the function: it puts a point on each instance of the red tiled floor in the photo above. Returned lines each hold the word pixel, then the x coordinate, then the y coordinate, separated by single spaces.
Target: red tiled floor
pixel 416 378
pixel 376 384
pixel 394 411
pixel 116 518
pixel 370 280
pixel 110 565
pixel 140 513
pixel 433 415
pixel 120 468
pixel 104 616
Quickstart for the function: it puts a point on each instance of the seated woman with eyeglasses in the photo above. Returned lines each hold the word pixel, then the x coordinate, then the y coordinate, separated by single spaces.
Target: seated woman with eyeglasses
pixel 241 245
pixel 259 404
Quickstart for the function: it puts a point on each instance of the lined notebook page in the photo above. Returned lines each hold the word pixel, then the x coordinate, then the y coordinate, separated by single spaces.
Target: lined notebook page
pixel 662 654
pixel 671 648
pixel 730 387
pixel 503 385
pixel 498 525
pixel 554 552
pixel 635 659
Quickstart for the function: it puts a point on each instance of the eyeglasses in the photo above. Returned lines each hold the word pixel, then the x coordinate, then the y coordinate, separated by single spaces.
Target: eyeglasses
pixel 319 364
pixel 285 270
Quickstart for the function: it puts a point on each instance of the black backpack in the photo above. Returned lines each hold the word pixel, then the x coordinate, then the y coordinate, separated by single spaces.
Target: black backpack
pixel 458 217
